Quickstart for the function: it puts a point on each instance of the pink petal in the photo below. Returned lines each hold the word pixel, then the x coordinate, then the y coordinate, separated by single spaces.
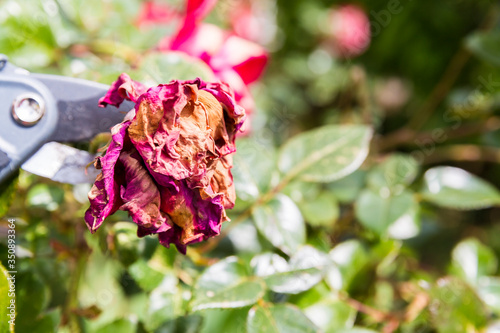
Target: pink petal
pixel 246 58
pixel 121 89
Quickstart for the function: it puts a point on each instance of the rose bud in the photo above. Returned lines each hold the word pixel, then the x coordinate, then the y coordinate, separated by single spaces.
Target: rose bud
pixel 349 29
pixel 168 165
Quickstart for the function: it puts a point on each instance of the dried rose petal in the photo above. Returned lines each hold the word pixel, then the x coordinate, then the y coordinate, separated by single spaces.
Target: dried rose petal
pixel 169 165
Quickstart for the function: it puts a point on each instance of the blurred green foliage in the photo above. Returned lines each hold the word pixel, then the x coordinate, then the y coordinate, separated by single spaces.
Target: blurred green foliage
pixel 368 195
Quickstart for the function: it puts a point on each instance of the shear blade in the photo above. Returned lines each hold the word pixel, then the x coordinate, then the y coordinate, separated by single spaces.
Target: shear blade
pixel 62 164
pixel 80 117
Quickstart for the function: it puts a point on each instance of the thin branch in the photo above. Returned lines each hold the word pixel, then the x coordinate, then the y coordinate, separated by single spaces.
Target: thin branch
pixel 377 315
pixel 450 76
pixel 464 153
pixel 420 116
pixel 411 138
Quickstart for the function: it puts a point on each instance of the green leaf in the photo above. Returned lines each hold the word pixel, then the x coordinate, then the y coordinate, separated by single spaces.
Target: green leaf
pixel 162 304
pixel 347 189
pixel 281 222
pixel 455 307
pixel 184 324
pixel 126 243
pixel 47 323
pixel 120 325
pixel 325 154
pixel 32 295
pixel 157 68
pixel 451 187
pixel 331 315
pixel 6 301
pixel 146 277
pixel 302 272
pixel 238 295
pixel 226 284
pixel 245 237
pixel 350 258
pixel 280 318
pixel 488 288
pixel 7 191
pixel 395 173
pixel 254 166
pixel 45 196
pixel 378 213
pixel 323 210
pixel 472 260
pixel 300 191
pixel 486 45
pixel 99 286
pixel 223 320
pixel 357 330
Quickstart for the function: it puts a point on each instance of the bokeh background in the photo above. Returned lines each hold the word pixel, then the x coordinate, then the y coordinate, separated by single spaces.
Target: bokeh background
pixel 407 242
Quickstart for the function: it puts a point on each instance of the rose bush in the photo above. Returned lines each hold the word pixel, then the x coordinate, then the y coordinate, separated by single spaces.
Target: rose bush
pixel 168 164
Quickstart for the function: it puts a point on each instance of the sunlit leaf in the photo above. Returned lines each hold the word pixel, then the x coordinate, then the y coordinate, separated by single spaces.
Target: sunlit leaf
pixel 350 258
pixel 472 260
pixel 357 330
pixel 347 189
pixel 254 165
pixel 485 45
pixel 488 288
pixel 223 320
pixel 45 196
pixel 395 173
pixel 323 210
pixel 162 302
pixel 146 277
pixel 226 284
pixel 121 325
pixel 325 154
pixel 281 222
pixel 456 188
pixel 302 272
pixel 455 307
pixel 280 318
pixel 331 315
pixel 379 211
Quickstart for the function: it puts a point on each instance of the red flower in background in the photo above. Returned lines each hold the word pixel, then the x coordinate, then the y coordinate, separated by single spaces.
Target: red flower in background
pixel 234 60
pixel 349 31
pixel 152 13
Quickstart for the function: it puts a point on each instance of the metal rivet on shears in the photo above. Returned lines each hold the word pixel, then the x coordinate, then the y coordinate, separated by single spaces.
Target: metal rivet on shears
pixel 28 109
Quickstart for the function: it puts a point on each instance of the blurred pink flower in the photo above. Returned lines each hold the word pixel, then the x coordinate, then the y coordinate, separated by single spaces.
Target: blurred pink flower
pixel 153 12
pixel 254 20
pixel 234 60
pixel 349 31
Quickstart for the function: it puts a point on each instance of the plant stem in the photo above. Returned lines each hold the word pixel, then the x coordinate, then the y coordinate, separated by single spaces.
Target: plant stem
pixel 451 74
pixel 377 315
pixel 464 153
pixel 72 302
pixel 410 138
pixel 440 91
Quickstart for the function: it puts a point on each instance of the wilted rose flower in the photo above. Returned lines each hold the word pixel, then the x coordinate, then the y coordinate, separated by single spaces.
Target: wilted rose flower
pixel 168 165
pixel 349 31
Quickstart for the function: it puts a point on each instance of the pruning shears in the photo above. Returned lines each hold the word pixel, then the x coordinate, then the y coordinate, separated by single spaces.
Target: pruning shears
pixel 39 112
